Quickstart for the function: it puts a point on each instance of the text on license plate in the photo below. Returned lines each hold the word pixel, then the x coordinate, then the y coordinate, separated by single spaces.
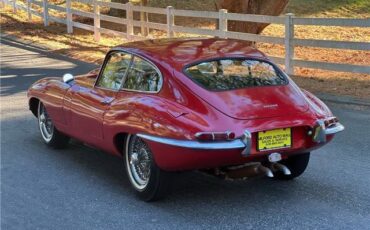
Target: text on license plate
pixel 274 139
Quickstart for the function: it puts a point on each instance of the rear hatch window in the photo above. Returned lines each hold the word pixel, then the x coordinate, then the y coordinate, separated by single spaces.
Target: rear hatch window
pixel 231 74
pixel 246 89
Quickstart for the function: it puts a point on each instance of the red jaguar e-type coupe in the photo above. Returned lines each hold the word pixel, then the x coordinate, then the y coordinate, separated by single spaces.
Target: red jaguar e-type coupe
pixel 169 105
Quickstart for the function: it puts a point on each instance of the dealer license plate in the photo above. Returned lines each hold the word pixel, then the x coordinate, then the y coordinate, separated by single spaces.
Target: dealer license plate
pixel 274 139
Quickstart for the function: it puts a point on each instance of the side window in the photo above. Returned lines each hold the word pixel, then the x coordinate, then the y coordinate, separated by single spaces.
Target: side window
pixel 143 76
pixel 114 70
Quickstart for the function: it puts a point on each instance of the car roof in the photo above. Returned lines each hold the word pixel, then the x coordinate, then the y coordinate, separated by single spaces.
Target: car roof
pixel 179 52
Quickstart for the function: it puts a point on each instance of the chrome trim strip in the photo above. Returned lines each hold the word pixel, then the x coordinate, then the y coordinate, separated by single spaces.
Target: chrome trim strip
pixel 338 127
pixel 234 144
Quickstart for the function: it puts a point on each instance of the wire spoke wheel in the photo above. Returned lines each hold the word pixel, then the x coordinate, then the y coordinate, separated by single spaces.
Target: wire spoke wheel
pixel 45 124
pixel 139 162
pixel 146 177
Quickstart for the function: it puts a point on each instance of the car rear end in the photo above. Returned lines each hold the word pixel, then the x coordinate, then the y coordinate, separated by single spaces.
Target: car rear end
pixel 263 117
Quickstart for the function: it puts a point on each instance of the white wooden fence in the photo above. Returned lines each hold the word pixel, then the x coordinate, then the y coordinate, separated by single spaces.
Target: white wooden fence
pixel 289 21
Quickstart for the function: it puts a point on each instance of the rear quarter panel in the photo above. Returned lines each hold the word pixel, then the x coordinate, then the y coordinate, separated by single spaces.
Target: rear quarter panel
pixel 174 112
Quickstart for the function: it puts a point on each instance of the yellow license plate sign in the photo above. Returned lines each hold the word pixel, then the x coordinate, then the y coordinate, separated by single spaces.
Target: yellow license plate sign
pixel 274 139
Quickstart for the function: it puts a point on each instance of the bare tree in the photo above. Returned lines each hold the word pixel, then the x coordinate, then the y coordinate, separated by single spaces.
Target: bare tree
pixel 263 7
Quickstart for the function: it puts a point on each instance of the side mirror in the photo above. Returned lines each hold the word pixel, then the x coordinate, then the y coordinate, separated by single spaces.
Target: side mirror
pixel 68 78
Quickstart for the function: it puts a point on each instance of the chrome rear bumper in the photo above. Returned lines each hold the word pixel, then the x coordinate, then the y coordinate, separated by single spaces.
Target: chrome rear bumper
pixel 320 131
pixel 219 145
pixel 245 143
pixel 335 128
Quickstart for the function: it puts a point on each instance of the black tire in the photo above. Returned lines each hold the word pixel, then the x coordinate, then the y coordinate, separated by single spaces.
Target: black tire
pixel 297 164
pixel 157 184
pixel 51 136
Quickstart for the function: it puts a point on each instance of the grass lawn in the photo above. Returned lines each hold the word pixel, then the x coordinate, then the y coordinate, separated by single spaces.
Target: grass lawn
pixel 80 44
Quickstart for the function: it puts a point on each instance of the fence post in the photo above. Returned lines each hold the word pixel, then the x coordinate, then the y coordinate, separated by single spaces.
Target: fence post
pixel 143 21
pixel 14 6
pixel 29 10
pixel 45 12
pixel 170 22
pixel 69 17
pixel 289 46
pixel 96 21
pixel 130 20
pixel 222 22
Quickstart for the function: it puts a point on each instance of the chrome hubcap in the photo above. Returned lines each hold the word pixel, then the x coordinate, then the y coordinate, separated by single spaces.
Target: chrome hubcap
pixel 45 124
pixel 139 160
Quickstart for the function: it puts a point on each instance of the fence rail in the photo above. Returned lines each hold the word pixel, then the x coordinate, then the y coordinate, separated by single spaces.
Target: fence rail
pixel 288 21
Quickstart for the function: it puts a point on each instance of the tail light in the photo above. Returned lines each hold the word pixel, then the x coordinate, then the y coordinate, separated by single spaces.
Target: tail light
pixel 215 136
pixel 330 121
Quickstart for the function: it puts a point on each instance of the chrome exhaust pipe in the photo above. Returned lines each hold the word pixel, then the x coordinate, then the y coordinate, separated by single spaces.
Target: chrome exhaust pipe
pixel 265 171
pixel 244 171
pixel 280 167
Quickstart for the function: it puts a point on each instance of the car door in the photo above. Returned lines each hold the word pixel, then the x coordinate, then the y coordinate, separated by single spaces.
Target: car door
pixel 89 104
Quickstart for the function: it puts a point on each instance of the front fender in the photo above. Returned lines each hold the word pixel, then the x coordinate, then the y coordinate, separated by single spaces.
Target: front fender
pixel 50 91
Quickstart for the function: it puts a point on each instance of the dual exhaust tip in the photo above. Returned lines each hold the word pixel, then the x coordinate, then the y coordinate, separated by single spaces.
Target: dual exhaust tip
pixel 275 167
pixel 255 169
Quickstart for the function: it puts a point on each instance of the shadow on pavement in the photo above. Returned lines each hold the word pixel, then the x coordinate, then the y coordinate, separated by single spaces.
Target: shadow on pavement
pixel 37 62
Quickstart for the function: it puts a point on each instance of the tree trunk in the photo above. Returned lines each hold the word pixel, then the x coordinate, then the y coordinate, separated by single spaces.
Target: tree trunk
pixel 263 7
pixel 118 12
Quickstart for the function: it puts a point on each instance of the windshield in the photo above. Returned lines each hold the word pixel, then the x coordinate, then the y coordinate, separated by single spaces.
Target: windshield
pixel 229 74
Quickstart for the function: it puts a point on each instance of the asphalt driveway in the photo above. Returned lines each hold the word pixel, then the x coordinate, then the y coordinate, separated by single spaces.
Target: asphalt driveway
pixel 83 188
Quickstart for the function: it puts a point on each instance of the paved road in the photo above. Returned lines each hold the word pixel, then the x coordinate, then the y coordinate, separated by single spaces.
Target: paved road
pixel 83 188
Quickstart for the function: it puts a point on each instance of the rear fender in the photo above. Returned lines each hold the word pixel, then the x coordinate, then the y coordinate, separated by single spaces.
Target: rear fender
pixel 318 106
